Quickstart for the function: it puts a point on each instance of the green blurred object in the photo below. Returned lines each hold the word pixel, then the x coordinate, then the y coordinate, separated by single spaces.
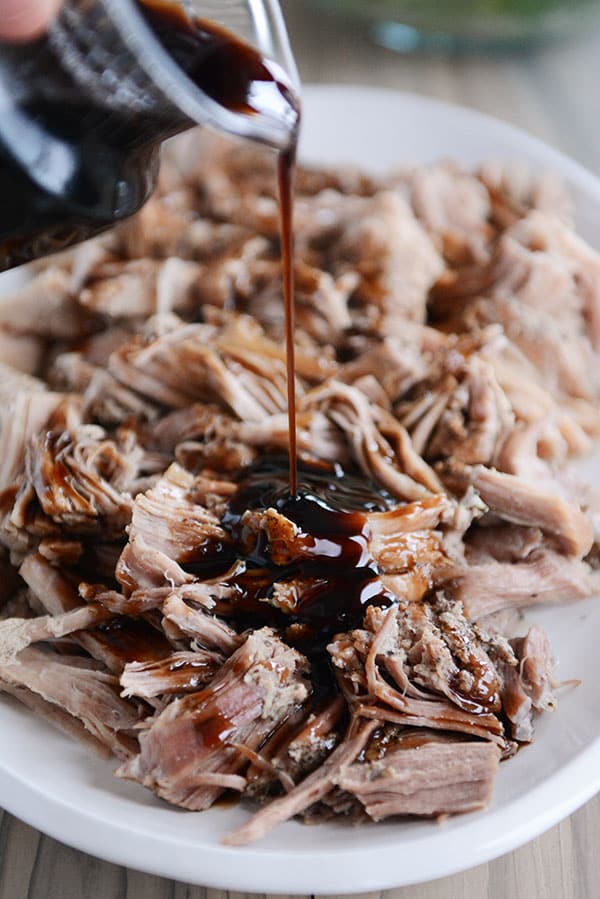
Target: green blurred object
pixel 468 25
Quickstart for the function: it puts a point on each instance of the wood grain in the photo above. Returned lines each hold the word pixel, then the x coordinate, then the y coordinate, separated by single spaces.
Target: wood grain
pixel 553 95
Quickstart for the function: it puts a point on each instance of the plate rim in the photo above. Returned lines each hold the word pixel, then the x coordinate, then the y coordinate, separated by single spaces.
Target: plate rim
pixel 81 830
pixel 372 868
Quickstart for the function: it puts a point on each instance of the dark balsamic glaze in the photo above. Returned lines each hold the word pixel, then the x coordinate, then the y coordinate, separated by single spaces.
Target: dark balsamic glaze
pixel 208 559
pixel 334 573
pixel 331 579
pixel 326 486
pixel 133 638
pixel 286 168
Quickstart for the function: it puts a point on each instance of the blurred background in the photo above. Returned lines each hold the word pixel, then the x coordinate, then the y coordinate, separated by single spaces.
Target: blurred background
pixel 535 63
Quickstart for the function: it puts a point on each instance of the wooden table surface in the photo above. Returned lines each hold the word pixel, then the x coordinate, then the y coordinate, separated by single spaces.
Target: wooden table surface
pixel 554 95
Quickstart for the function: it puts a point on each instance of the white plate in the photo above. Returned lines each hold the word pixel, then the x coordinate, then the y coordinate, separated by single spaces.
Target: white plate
pixel 52 783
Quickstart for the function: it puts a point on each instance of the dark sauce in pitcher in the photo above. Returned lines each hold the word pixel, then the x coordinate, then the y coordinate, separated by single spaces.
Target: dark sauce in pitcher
pixel 68 169
pixel 228 70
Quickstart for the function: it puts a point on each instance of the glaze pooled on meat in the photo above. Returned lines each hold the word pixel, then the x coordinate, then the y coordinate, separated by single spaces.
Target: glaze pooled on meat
pixel 347 651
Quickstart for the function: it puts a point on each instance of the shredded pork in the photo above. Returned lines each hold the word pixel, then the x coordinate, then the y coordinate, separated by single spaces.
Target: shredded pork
pixel 448 359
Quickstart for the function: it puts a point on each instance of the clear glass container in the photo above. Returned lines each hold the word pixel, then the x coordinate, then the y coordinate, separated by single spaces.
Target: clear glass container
pixel 111 52
pixel 84 109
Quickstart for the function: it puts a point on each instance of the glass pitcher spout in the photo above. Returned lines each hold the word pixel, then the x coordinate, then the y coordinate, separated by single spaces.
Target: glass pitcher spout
pixel 140 70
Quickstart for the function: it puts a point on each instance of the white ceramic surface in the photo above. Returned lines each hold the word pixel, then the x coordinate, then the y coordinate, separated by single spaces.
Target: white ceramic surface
pixel 52 783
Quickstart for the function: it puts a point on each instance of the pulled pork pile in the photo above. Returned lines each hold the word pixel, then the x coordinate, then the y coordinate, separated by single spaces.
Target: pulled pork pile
pixel 448 356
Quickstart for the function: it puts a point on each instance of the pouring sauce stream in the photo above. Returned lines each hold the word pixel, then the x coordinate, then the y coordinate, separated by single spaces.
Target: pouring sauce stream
pixel 286 167
pixel 239 78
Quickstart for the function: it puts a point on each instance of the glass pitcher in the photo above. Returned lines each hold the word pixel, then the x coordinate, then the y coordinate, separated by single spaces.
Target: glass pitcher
pixel 84 109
